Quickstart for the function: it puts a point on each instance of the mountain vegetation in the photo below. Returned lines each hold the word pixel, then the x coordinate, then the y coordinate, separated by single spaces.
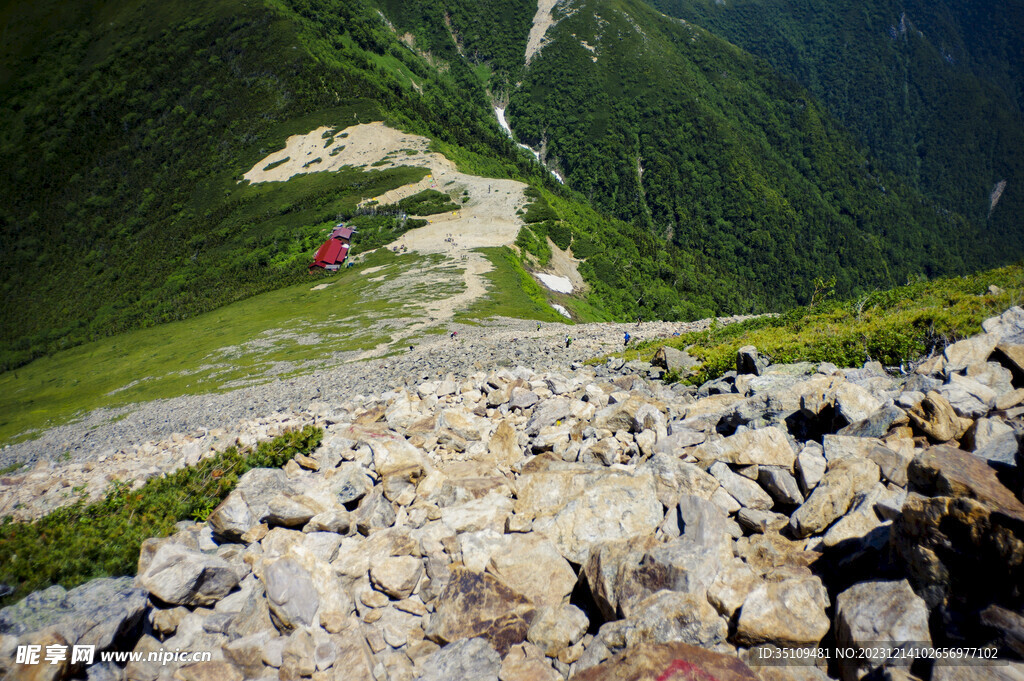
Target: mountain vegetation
pixel 700 178
pixel 934 90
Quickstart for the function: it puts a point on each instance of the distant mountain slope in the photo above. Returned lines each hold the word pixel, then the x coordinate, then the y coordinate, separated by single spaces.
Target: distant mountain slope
pixel 662 123
pixel 934 89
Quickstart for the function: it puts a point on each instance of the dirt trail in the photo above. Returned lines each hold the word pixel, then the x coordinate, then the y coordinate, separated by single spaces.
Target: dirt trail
pixel 486 217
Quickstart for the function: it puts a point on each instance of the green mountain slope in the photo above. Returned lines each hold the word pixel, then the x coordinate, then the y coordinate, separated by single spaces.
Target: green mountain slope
pixel 124 128
pixel 935 90
pixel 698 179
pixel 666 125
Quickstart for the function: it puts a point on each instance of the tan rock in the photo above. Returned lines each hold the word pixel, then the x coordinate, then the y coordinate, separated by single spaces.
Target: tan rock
pixel 503 448
pixel 968 351
pixel 615 506
pixel 935 417
pixel 532 566
pixel 786 613
pixel 396 576
pixel 832 497
pixel 555 628
pixel 765 446
pixel 947 471
pixel 525 662
pixel 735 581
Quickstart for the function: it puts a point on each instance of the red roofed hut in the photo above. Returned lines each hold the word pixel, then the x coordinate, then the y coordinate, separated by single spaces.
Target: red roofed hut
pixel 333 252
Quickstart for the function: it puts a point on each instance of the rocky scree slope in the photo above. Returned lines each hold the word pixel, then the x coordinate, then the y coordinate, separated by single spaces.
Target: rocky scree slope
pixel 597 524
pixel 152 438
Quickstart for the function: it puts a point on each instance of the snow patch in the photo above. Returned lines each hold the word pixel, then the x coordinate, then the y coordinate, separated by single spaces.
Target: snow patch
pixel 555 283
pixel 561 310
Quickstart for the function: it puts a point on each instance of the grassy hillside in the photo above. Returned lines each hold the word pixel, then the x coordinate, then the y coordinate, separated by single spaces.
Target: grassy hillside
pixel 935 90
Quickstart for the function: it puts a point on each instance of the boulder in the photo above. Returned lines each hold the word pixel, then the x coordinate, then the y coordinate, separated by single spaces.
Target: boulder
pixel 734 582
pixel 351 482
pixel 969 351
pixel 810 467
pixel 967 398
pixel 557 627
pixel 780 485
pixel 758 521
pixel 503 448
pixel 490 511
pixel 786 613
pixel 95 613
pixel 464 424
pixel 946 541
pixel 935 417
pixel 547 414
pixel 532 566
pixel 948 471
pixel 521 398
pixel 525 662
pixel 832 497
pixel 674 478
pixel 749 362
pixel 475 604
pixel 670 359
pixel 472 659
pixel 178 575
pixel 1011 355
pixel 992 375
pixel 877 424
pixel 744 490
pixel 291 594
pixel 765 446
pixel 396 576
pixel 607 566
pixel 232 517
pixel 1008 325
pixel 620 416
pixel 670 616
pixel 855 403
pixel 290 510
pixel 615 506
pixel 892 464
pixel 874 614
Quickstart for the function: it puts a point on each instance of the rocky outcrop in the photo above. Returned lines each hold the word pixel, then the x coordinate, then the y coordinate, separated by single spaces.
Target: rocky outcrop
pixel 596 523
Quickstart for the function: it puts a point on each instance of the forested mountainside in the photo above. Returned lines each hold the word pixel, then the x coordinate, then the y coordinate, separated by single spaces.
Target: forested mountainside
pixel 698 180
pixel 934 89
pixel 663 124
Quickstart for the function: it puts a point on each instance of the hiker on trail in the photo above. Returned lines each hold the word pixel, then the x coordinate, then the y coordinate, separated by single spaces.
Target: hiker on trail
pixel 568 341
pixel 638 321
pixel 454 334
pixel 538 326
pixel 625 339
